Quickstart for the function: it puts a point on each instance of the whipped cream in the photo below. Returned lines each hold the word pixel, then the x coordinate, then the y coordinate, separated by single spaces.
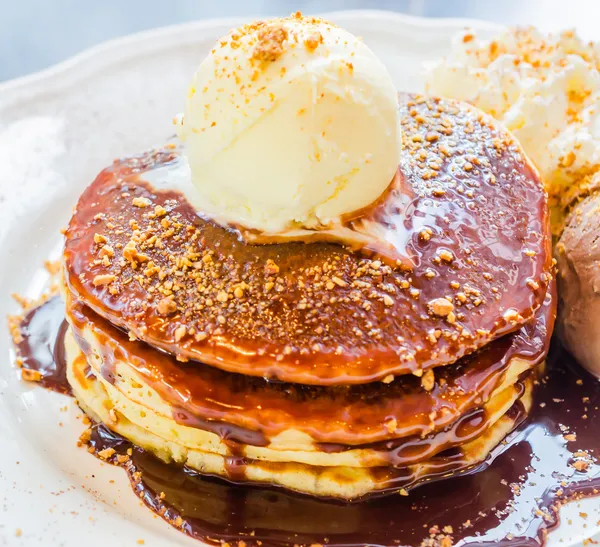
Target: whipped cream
pixel 544 88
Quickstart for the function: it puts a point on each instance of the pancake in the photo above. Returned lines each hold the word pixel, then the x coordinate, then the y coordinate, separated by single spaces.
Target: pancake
pixel 467 211
pixel 342 482
pixel 292 445
pixel 290 417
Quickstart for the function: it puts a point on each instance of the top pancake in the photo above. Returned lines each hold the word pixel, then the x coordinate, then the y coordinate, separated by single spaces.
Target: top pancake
pixel 469 211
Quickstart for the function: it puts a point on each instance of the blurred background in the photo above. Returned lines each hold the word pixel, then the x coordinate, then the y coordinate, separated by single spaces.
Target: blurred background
pixel 35 34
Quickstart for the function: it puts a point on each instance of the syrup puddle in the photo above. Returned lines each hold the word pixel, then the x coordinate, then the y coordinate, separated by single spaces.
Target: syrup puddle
pixel 514 500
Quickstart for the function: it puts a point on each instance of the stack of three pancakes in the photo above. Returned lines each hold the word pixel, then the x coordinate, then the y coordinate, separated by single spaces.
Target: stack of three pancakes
pixel 310 366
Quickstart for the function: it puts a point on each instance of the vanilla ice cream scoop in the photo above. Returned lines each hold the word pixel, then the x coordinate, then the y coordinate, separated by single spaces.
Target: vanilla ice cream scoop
pixel 290 123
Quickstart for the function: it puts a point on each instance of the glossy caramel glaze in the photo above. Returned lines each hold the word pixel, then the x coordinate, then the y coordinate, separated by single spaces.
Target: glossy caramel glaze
pixel 251 410
pixel 512 501
pixel 388 480
pixel 468 211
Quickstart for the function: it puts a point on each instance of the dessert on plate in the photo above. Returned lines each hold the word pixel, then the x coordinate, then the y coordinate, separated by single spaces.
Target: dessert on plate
pixel 390 238
pixel 321 284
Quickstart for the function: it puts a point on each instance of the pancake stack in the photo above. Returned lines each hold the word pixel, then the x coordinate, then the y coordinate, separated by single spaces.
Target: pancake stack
pixel 326 370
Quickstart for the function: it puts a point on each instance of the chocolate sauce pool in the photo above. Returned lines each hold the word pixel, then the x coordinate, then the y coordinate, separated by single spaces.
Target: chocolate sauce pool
pixel 42 347
pixel 511 500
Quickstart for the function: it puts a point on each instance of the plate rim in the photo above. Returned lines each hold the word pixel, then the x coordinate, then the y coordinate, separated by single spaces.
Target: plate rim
pixel 158 37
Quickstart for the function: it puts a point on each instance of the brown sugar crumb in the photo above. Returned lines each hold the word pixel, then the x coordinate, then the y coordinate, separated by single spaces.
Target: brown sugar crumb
pixel 568 160
pixel 313 41
pixel 533 284
pixel 425 234
pixel 271 268
pixel 167 305
pixel 428 380
pixel 106 251
pixel 100 239
pixel 441 307
pixel 140 202
pixel 14 327
pixel 132 255
pixel 180 332
pixel 437 539
pixel 270 44
pixel 106 453
pixel 31 375
pixel 581 465
pixel 103 279
pixel 238 292
pixel 512 316
pixel 339 282
pixel 85 437
pixel 446 255
pixel 391 425
pixel 159 211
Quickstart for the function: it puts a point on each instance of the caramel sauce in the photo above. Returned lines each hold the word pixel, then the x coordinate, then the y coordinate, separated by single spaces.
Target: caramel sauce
pixel 41 348
pixel 512 499
pixel 468 210
pixel 251 411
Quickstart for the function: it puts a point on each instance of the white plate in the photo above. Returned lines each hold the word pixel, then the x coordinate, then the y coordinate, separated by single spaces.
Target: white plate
pixel 58 128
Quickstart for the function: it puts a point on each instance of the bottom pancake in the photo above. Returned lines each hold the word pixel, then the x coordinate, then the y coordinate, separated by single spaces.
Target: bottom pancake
pixel 338 481
pixel 158 419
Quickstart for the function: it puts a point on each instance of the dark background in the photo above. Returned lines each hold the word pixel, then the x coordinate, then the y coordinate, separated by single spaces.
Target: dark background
pixel 35 34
